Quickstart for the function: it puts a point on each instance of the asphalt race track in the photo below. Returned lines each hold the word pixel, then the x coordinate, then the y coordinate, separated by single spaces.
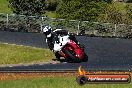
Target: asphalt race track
pixel 104 53
pixel 28 39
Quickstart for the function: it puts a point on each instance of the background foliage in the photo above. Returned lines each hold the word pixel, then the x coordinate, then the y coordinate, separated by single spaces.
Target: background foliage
pixel 80 9
pixel 27 7
pixel 90 10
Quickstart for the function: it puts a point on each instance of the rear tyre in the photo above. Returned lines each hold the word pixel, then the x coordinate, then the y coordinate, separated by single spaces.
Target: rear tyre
pixel 70 57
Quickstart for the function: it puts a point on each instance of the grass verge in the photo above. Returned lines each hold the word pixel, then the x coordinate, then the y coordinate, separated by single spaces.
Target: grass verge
pixel 55 82
pixel 50 14
pixel 15 54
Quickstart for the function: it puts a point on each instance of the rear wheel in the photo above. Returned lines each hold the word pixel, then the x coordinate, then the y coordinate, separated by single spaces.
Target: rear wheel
pixel 71 57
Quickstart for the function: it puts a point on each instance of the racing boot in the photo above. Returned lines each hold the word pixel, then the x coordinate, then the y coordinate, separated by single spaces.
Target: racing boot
pixel 57 56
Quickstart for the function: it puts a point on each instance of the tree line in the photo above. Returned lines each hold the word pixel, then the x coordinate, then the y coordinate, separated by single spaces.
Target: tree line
pixel 90 10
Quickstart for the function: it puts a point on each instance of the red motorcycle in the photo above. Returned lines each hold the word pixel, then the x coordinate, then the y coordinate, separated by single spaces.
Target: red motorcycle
pixel 68 49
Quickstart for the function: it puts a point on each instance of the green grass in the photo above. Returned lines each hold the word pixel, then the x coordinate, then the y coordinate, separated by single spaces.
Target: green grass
pixel 120 6
pixel 50 14
pixel 55 82
pixel 4 7
pixel 14 54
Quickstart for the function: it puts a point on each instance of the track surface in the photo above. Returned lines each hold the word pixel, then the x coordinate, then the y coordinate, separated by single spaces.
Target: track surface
pixel 104 53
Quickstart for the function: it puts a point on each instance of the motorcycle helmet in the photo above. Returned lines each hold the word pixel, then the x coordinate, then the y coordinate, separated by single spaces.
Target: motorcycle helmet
pixel 47 30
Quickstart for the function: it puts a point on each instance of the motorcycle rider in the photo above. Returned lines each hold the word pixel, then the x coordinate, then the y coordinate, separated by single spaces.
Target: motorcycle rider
pixel 52 36
pixel 49 36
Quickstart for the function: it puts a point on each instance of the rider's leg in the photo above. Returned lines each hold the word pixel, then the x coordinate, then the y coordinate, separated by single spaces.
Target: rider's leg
pixel 51 45
pixel 57 55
